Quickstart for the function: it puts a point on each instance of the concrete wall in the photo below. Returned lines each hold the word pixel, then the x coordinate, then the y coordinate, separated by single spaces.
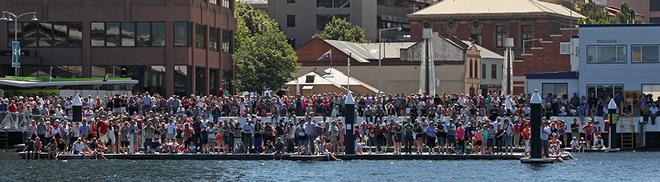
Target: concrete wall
pixel 631 75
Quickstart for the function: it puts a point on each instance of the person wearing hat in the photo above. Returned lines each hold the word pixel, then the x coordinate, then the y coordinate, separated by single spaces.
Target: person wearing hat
pixel 279 146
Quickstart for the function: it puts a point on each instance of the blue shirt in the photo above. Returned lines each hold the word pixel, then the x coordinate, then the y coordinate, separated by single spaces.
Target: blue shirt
pixel 84 130
pixel 3 107
pixel 430 131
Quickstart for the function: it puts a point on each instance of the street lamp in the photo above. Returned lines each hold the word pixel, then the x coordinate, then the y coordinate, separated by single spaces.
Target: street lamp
pixel 611 110
pixel 528 40
pixel 380 59
pixel 15 44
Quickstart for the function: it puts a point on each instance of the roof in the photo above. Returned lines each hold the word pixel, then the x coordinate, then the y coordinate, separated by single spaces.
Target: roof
pixel 485 53
pixel 29 84
pixel 619 25
pixel 363 52
pixel 554 75
pixel 330 76
pixel 457 8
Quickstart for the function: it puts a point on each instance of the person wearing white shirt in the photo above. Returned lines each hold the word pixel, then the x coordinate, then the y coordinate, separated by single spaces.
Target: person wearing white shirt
pixel 171 130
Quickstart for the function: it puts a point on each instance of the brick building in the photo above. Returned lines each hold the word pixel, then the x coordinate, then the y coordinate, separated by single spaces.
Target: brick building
pixel 531 23
pixel 169 46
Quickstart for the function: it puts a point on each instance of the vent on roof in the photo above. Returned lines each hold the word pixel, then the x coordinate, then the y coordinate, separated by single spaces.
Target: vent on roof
pixel 309 79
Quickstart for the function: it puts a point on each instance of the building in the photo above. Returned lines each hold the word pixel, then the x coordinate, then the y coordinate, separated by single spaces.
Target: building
pixel 456 63
pixel 531 23
pixel 169 46
pixel 301 19
pixel 328 81
pixel 492 66
pixel 650 9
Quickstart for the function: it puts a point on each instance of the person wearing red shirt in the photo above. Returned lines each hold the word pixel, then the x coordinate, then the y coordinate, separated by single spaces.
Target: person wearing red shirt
pixel 526 136
pixel 12 107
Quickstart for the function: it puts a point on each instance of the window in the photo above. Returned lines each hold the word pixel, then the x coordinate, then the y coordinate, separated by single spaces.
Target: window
pixel 227 83
pixel 476 23
pixel 654 5
pixel 309 79
pixel 333 3
pixel 493 71
pixel 98 34
pixel 181 80
pixel 200 36
pixel 451 23
pixel 200 80
pixel 483 70
pixel 555 28
pixel 225 3
pixel 30 34
pixel 227 41
pixel 143 33
pixel 45 34
pixel 558 89
pixel 10 32
pixel 476 38
pixel 655 20
pixel 60 35
pixel 290 20
pixel 112 34
pixel 606 54
pixel 290 1
pixel 213 1
pixel 645 53
pixel 654 90
pixel 604 92
pixel 181 34
pixel 214 81
pixel 471 70
pixel 158 34
pixel 322 20
pixel 75 34
pixel 500 35
pixel 564 48
pixel 213 39
pixel 128 34
pixel 526 34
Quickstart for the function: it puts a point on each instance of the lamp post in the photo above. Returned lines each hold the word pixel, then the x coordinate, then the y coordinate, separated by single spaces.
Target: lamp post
pixel 611 110
pixel 380 59
pixel 16 53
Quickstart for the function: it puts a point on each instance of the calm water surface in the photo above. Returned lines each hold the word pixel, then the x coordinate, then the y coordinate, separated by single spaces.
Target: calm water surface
pixel 640 166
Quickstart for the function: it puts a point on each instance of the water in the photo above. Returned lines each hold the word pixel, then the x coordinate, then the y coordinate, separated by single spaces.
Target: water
pixel 640 166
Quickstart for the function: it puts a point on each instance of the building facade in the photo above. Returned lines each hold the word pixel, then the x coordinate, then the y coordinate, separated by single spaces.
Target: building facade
pixel 170 46
pixel 301 19
pixel 456 64
pixel 650 9
pixel 531 24
pixel 619 61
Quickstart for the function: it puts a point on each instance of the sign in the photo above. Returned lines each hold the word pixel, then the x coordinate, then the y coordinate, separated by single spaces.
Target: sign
pixel 16 54
pixel 606 41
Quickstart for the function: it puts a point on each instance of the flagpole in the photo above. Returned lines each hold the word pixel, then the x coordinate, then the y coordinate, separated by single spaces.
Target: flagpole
pixel 348 72
pixel 331 62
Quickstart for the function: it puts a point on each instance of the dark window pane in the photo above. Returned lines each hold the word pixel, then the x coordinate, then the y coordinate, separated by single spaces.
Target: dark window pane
pixel 290 20
pixel 654 5
pixel 200 36
pixel 45 34
pixel 10 32
pixel 181 34
pixel 181 80
pixel 143 33
pixel 112 35
pixel 128 34
pixel 214 81
pixel 226 36
pixel 493 71
pixel 200 80
pixel 213 39
pixel 158 34
pixel 30 34
pixel 60 37
pixel 75 34
pixel 98 34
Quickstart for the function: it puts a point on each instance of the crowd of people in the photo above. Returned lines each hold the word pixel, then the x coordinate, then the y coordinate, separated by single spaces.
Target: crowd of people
pixel 247 123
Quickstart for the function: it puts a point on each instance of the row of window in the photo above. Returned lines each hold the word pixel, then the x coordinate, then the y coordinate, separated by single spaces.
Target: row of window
pixel 46 34
pixel 118 34
pixel 128 34
pixel 333 3
pixel 223 3
pixel 618 54
pixel 493 71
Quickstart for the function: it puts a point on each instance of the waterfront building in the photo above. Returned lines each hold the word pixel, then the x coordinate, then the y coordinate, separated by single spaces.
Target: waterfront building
pixel 169 46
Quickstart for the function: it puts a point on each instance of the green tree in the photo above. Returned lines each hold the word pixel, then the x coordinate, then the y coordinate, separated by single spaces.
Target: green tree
pixel 626 15
pixel 593 13
pixel 341 29
pixel 263 58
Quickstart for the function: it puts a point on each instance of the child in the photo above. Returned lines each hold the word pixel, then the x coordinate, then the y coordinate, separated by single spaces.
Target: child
pixel 279 146
pixel 575 144
pixel 583 144
pixel 37 147
pixel 598 144
pixel 29 149
pixel 468 147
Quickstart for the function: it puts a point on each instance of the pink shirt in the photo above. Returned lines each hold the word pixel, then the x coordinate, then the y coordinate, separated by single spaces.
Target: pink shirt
pixel 460 133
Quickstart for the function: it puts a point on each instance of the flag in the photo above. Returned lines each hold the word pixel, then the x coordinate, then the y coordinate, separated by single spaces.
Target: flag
pixel 325 56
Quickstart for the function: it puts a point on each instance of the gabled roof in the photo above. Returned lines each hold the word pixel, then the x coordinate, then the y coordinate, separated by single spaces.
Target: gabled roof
pixel 458 8
pixel 330 76
pixel 485 53
pixel 363 52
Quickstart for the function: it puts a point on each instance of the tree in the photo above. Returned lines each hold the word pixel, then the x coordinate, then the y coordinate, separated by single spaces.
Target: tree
pixel 341 29
pixel 626 15
pixel 263 59
pixel 595 14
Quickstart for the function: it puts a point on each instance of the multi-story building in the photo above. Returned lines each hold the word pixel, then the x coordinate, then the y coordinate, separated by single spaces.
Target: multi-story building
pixel 301 19
pixel 488 23
pixel 169 46
pixel 650 9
